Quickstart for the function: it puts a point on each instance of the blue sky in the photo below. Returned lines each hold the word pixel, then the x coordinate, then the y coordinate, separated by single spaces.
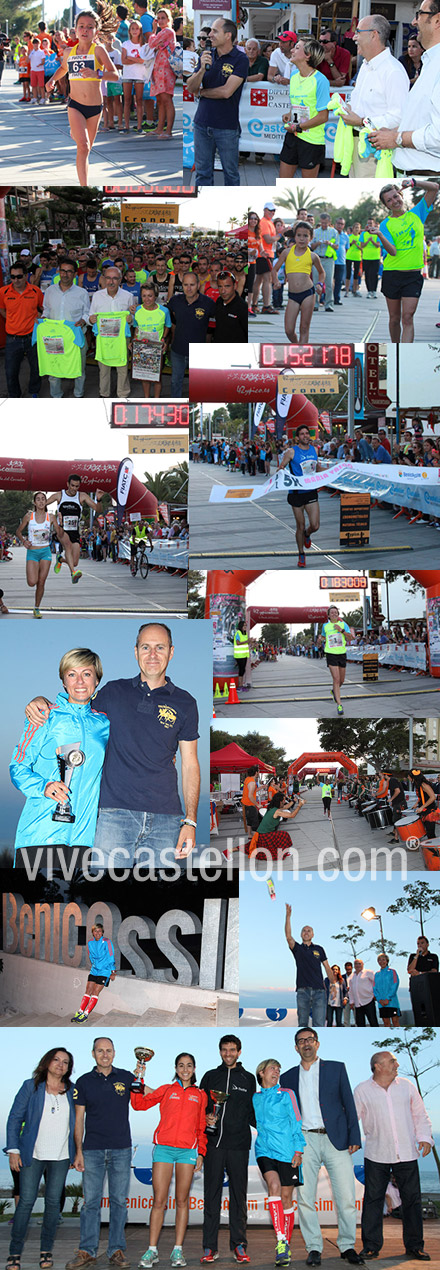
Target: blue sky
pixel 23 1048
pixel 32 668
pixel 327 906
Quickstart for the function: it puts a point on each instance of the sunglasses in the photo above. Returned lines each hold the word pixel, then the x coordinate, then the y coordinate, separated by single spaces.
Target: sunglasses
pixel 225 274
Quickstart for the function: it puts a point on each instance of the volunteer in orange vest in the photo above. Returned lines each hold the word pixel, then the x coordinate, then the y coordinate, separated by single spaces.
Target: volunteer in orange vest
pixel 251 817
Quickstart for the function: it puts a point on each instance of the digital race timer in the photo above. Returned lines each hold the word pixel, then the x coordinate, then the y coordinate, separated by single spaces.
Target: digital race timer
pixel 314 356
pixel 149 414
pixel 346 583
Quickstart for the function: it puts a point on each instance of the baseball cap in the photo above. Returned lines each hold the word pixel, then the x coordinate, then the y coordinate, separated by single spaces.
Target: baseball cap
pixel 270 207
pixel 288 35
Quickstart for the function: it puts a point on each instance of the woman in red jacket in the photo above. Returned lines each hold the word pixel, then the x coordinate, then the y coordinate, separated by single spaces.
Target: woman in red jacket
pixel 179 1140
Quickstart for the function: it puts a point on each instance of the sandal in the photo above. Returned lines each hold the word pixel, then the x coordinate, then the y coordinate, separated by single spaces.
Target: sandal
pixel 46 1261
pixel 13 1263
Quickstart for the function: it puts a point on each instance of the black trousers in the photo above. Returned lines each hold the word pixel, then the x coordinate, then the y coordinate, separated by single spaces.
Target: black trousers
pixel 363 1012
pixel 371 274
pixel 235 1163
pixel 377 1177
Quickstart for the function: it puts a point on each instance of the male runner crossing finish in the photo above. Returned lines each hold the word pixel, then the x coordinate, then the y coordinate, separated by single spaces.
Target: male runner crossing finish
pixel 301 459
pixel 70 504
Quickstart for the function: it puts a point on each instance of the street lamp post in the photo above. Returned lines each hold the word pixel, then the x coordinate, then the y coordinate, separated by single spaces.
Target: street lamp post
pixel 370 915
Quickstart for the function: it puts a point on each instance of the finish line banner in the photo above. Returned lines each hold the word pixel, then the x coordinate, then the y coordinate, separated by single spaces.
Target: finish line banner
pixel 413 487
pixel 409 656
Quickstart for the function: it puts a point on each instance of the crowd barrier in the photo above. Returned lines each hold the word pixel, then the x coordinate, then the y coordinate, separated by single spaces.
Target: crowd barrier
pixel 409 656
pixel 166 553
pixel 262 106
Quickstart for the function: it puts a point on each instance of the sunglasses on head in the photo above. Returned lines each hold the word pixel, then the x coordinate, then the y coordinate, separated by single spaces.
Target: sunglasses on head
pixel 225 273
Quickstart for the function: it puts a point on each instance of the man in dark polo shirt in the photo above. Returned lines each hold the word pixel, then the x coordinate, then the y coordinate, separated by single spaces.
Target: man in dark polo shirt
pixel 422 962
pixel 102 1099
pixel 310 990
pixel 231 312
pixel 140 814
pixel 190 315
pixel 218 82
pixel 20 305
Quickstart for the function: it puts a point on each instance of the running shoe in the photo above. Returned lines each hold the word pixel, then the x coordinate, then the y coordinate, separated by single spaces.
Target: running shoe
pixel 57 566
pixel 240 1253
pixel 307 540
pixel 79 1017
pixel 301 561
pixel 339 709
pixel 177 1257
pixel 37 613
pixel 149 1258
pixel 208 1255
pixel 76 575
pixel 282 1254
pixel 268 308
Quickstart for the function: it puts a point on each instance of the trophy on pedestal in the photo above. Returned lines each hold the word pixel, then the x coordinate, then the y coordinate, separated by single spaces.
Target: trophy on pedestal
pixel 143 1056
pixel 68 757
pixel 218 1097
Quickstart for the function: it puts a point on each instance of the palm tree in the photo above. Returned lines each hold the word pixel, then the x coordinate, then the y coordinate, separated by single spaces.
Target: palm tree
pixel 300 197
pixel 75 1190
pixel 233 221
pixel 170 486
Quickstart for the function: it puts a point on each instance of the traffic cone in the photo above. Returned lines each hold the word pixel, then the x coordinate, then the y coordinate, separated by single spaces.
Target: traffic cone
pixel 213 713
pixel 226 691
pixel 232 697
pixel 217 690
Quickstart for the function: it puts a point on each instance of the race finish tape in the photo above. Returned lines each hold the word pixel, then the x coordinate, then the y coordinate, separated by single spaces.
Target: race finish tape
pixel 412 487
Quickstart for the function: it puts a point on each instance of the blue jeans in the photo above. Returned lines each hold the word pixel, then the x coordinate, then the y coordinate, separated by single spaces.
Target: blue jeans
pixel 18 347
pixel 339 279
pixel 206 142
pixel 120 831
pixel 30 1178
pixel 311 1001
pixel 116 1163
pixel 56 385
pixel 179 363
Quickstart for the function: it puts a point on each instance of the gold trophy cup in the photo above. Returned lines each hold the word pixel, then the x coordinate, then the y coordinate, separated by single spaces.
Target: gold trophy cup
pixel 143 1056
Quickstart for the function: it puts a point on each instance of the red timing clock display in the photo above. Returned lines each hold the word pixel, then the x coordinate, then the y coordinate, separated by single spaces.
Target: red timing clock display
pixel 329 582
pixel 149 414
pixel 307 356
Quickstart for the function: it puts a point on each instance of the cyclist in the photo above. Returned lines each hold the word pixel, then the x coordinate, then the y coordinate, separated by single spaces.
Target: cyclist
pixel 139 534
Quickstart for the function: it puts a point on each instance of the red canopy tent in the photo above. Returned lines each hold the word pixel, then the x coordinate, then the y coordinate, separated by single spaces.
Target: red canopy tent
pixel 232 758
pixel 242 232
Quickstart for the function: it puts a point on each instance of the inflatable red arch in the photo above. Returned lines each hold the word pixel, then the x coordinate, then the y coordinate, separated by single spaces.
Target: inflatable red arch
pixel 321 757
pixel 249 386
pixel 222 585
pixel 51 474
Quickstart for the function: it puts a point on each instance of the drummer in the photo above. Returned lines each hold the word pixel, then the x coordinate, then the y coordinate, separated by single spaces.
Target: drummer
pixel 427 801
pixel 397 800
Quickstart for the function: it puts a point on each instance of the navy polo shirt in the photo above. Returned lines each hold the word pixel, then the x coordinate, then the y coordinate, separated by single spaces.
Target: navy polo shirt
pixel 221 112
pixel 146 726
pixel 106 1100
pixel 308 959
pixel 192 321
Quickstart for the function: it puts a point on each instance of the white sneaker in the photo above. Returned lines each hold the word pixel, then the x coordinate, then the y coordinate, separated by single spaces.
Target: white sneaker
pixel 149 1258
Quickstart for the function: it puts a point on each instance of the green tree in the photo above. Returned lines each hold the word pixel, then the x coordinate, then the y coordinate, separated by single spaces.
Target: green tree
pixel 21 17
pixel 300 196
pixel 351 935
pixel 196 598
pixel 75 1191
pixel 412 1045
pixel 170 486
pixel 256 744
pixel 384 746
pixel 13 506
pixel 414 587
pixel 276 633
pixel 418 898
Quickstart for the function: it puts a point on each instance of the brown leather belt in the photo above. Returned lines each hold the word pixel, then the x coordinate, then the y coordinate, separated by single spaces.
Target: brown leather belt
pixel 315 1130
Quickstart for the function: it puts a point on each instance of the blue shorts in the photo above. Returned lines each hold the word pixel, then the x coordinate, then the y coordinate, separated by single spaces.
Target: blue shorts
pixel 174 1155
pixel 38 553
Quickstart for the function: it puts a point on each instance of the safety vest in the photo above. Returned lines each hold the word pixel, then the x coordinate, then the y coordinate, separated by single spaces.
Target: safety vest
pixel 303 92
pixel 334 640
pixel 327 791
pixel 138 533
pixel 58 353
pixel 241 644
pixel 111 343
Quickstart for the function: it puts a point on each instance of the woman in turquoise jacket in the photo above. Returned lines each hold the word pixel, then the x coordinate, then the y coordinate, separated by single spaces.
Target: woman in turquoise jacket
pixel 386 983
pixel 78 735
pixel 102 970
pixel 278 1150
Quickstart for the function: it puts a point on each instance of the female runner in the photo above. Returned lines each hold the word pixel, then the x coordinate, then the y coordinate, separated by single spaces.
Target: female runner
pixel 180 1141
pixel 299 262
pixel 102 971
pixel 333 632
pixel 38 523
pixel 278 1150
pixel 83 64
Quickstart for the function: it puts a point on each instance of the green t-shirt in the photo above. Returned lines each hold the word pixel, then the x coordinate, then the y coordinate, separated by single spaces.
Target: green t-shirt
pixel 270 822
pixel 354 250
pixel 111 341
pixel 307 91
pixel 407 233
pixel 327 791
pixel 260 67
pixel 370 245
pixel 334 639
pixel 58 354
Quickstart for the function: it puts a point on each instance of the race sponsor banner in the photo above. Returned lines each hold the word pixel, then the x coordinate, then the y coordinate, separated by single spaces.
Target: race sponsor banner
pixel 261 110
pixel 166 554
pixel 410 656
pixel 123 482
pixel 258 414
pixel 414 487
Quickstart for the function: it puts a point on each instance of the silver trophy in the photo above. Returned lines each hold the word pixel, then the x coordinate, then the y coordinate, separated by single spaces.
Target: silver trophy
pixel 143 1056
pixel 68 757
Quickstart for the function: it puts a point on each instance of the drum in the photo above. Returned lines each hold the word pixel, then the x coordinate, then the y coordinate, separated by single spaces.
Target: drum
pixel 410 830
pixel 367 807
pixel 384 817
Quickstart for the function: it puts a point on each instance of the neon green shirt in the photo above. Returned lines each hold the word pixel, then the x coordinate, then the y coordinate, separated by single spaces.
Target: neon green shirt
pixel 58 354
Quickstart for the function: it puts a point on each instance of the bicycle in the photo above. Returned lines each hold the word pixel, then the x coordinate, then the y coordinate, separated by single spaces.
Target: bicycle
pixel 139 561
